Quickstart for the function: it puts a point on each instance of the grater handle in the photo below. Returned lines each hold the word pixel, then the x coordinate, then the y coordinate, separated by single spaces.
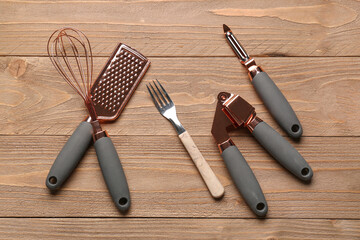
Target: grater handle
pixel 245 180
pixel 113 173
pixel 277 104
pixel 282 151
pixel 212 182
pixel 69 156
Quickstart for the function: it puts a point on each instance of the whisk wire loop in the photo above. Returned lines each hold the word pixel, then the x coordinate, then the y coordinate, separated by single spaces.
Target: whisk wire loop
pixel 70 52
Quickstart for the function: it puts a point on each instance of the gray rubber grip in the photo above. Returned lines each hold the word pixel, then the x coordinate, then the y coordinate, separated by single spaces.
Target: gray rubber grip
pixel 277 105
pixel 245 180
pixel 113 173
pixel 69 156
pixel 282 151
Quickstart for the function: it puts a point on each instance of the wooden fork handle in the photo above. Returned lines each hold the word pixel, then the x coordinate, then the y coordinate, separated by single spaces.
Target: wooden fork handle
pixel 212 182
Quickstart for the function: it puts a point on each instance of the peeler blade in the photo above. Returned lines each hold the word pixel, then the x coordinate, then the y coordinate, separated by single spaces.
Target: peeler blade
pixel 235 44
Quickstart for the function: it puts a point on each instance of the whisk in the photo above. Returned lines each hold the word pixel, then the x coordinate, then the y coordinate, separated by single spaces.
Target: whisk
pixel 70 52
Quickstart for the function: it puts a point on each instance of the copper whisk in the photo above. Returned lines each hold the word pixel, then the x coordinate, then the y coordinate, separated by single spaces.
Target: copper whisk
pixel 70 52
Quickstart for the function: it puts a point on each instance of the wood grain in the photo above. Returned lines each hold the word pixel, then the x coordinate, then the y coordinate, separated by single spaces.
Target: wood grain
pixel 270 229
pixel 309 48
pixel 323 93
pixel 186 28
pixel 299 14
pixel 164 182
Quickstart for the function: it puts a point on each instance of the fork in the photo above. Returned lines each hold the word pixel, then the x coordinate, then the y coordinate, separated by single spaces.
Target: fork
pixel 167 109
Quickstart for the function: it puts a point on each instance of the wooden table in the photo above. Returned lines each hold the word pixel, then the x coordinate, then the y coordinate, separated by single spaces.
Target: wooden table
pixel 309 48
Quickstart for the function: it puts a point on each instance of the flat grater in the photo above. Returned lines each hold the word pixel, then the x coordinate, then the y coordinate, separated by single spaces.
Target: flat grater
pixel 117 82
pixel 110 93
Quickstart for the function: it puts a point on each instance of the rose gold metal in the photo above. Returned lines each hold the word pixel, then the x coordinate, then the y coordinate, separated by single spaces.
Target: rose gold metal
pixel 253 71
pixel 242 55
pixel 87 119
pixel 252 68
pixel 254 121
pixel 117 82
pixel 238 110
pixel 99 135
pixel 232 112
pixel 70 52
pixel 225 145
pixel 231 99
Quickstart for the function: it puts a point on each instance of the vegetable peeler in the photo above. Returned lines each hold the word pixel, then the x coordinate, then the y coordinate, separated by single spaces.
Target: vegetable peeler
pixel 233 112
pixel 270 94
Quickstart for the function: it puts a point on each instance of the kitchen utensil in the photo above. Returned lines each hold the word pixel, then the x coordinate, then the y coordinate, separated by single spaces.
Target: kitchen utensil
pixel 239 170
pixel 167 109
pixel 233 112
pixel 111 91
pixel 271 95
pixel 70 52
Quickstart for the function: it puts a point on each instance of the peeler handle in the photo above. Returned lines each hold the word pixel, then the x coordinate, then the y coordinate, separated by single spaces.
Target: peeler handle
pixel 282 151
pixel 212 182
pixel 113 173
pixel 69 156
pixel 277 104
pixel 245 180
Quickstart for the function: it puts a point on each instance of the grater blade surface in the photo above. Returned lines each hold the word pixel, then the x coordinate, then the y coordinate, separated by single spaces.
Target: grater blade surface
pixel 117 81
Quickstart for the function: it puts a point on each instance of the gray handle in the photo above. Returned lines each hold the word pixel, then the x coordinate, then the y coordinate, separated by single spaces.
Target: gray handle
pixel 69 156
pixel 277 104
pixel 282 151
pixel 245 180
pixel 113 173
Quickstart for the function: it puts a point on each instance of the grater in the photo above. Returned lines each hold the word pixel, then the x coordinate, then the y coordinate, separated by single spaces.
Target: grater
pixel 109 93
pixel 117 82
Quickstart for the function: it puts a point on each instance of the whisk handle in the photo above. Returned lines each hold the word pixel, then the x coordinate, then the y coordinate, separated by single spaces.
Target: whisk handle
pixel 69 156
pixel 113 173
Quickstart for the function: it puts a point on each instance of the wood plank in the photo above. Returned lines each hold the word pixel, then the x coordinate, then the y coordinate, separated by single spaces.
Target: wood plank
pixel 271 229
pixel 187 28
pixel 35 100
pixel 164 182
pixel 309 48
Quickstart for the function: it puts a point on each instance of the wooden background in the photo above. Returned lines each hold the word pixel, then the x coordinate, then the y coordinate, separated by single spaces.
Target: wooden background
pixel 311 49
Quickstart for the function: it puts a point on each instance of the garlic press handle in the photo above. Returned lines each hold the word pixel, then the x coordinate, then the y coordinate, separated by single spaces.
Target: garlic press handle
pixel 113 173
pixel 277 104
pixel 282 151
pixel 245 180
pixel 69 156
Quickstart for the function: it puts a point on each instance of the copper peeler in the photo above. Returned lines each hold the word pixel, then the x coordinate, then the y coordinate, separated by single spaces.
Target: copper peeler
pixel 270 94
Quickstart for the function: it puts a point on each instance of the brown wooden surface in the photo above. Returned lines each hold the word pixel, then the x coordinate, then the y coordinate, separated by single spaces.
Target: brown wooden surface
pixel 323 91
pixel 159 228
pixel 309 48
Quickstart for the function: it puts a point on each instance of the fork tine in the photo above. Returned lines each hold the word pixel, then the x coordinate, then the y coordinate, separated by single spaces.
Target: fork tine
pixel 161 94
pixel 153 98
pixel 166 94
pixel 157 96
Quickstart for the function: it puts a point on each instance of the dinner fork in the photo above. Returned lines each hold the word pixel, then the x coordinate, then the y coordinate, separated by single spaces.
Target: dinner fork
pixel 167 109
